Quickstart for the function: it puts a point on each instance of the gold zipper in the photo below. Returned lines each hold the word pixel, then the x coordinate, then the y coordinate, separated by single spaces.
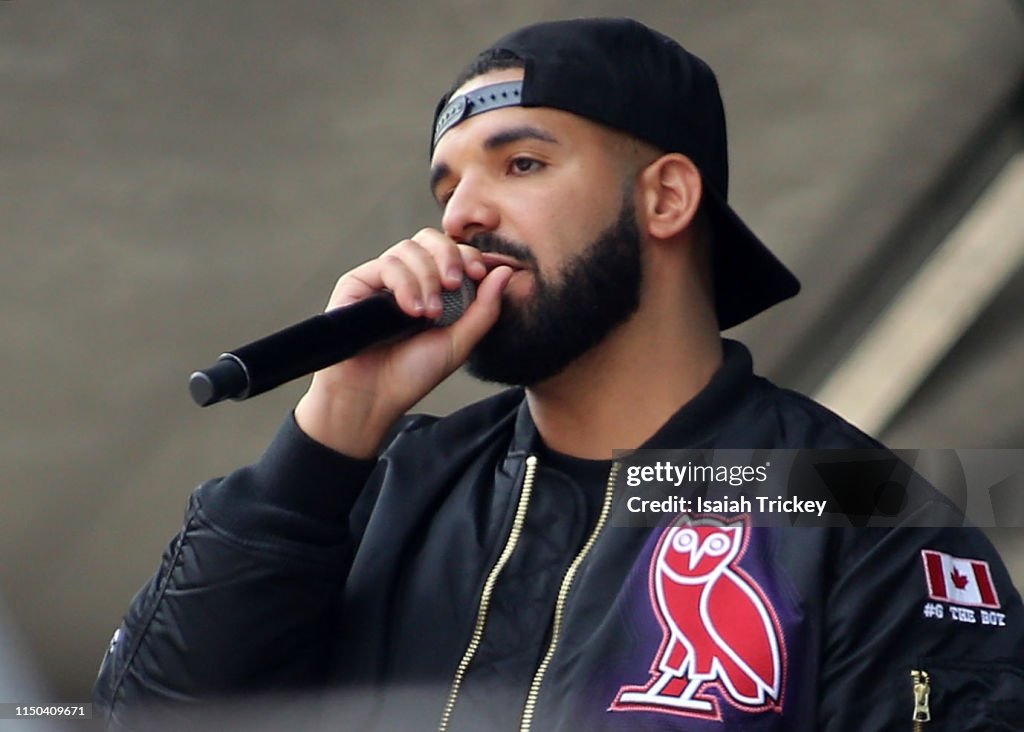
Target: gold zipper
pixel 922 690
pixel 563 595
pixel 485 595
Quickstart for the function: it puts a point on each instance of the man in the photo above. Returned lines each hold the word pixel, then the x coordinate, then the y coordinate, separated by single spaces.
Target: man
pixel 463 573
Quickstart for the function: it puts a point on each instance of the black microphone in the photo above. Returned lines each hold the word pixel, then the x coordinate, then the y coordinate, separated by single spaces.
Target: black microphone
pixel 316 343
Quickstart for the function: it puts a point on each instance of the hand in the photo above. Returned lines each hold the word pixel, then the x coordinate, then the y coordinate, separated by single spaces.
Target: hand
pixel 351 406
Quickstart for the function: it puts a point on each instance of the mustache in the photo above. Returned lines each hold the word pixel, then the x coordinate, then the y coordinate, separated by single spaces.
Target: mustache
pixel 488 241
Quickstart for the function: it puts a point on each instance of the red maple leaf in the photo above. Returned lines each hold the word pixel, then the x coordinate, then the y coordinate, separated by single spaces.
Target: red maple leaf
pixel 959 580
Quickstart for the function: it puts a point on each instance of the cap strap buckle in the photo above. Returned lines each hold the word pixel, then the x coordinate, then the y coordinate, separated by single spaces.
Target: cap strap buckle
pixel 484 99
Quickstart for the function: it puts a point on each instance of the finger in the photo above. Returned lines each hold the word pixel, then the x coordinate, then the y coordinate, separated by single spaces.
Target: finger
pixel 422 262
pixel 426 255
pixel 450 259
pixel 410 290
pixel 386 272
pixel 356 284
pixel 472 262
pixel 406 269
pixel 467 331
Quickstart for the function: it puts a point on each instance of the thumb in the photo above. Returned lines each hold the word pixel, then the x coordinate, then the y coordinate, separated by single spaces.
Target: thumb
pixel 480 316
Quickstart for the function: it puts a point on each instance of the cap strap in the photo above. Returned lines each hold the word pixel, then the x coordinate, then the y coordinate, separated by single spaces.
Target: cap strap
pixel 484 99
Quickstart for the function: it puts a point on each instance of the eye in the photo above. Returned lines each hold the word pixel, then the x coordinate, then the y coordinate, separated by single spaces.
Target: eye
pixel 442 200
pixel 716 545
pixel 685 541
pixel 520 165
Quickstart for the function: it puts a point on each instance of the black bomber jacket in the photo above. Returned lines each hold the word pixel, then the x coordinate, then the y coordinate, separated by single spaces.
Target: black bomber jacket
pixel 311 590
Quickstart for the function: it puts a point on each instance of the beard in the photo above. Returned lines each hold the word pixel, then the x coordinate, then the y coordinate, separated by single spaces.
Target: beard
pixel 597 290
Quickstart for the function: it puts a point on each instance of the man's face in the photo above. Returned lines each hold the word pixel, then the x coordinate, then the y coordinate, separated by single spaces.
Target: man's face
pixel 569 313
pixel 541 190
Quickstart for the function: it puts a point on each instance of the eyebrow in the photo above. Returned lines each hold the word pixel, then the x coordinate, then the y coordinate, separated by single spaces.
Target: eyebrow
pixel 515 134
pixel 499 139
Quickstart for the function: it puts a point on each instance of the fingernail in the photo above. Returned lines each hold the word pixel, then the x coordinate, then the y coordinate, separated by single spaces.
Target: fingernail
pixel 417 304
pixel 435 302
pixel 454 273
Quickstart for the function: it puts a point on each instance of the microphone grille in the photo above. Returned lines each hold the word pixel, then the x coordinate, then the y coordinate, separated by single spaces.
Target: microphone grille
pixel 455 302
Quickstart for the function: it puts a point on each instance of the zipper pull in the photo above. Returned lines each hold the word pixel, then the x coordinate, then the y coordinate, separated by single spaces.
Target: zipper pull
pixel 922 689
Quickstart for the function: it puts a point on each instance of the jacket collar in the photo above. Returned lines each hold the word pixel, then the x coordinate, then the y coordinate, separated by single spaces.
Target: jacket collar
pixel 704 416
pixel 696 421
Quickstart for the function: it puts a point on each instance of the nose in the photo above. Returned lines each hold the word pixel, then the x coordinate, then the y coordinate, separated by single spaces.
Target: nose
pixel 469 210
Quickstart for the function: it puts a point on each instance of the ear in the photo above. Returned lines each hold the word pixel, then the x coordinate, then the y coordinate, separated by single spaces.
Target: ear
pixel 670 191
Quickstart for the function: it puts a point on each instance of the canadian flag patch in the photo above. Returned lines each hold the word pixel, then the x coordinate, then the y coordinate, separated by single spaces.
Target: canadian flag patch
pixel 959 580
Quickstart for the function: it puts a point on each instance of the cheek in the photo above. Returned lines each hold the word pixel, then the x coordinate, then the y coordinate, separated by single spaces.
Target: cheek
pixel 558 226
pixel 560 213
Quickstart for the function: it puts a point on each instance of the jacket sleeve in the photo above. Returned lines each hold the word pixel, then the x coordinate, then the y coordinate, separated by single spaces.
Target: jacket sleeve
pixel 937 601
pixel 243 597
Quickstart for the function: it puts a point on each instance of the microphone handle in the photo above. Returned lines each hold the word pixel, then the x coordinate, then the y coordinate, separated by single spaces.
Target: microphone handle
pixel 301 349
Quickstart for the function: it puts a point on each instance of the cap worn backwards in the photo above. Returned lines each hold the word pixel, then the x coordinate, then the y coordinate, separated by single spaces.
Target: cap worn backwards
pixel 621 74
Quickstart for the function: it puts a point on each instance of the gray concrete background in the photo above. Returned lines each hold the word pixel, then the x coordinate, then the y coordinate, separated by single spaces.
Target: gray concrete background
pixel 179 178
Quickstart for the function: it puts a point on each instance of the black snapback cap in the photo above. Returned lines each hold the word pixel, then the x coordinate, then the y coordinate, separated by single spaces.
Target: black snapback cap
pixel 621 74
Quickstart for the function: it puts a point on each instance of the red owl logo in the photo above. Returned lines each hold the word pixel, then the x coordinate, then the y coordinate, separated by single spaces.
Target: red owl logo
pixel 719 629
